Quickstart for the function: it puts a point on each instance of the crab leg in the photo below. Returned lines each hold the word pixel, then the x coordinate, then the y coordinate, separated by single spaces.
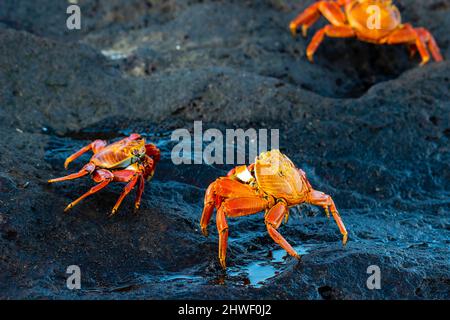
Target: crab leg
pixel 330 10
pixel 330 31
pixel 87 169
pixel 95 146
pixel 236 207
pixel 428 38
pixel 306 19
pixel 222 188
pixel 222 228
pixel 208 208
pixel 273 221
pixel 319 198
pixel 93 190
pixel 140 190
pixel 420 38
pixel 126 190
pixel 408 35
pixel 104 177
pixel 412 50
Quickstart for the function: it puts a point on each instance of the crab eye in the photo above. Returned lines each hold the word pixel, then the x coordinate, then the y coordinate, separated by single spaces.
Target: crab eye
pixel 134 159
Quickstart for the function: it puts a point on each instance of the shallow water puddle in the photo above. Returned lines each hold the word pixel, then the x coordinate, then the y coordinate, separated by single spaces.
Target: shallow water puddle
pixel 180 277
pixel 254 274
pixel 260 271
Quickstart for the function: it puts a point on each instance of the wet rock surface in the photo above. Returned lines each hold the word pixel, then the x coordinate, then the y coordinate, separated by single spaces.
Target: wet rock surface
pixel 368 126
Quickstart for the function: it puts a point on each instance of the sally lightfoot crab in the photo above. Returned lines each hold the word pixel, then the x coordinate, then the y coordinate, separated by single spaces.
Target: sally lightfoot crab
pixel 271 184
pixel 375 21
pixel 129 160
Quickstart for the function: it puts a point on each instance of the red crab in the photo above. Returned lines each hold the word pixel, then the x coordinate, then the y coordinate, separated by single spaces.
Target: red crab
pixel 271 184
pixel 355 21
pixel 129 160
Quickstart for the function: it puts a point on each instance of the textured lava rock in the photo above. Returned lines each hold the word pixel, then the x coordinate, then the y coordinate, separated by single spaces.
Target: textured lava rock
pixel 367 124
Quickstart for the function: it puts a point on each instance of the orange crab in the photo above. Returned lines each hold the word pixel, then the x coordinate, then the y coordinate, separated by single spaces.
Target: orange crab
pixel 271 184
pixel 359 20
pixel 129 160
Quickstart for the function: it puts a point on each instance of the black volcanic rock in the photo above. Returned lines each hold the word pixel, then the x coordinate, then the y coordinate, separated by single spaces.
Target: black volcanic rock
pixel 367 124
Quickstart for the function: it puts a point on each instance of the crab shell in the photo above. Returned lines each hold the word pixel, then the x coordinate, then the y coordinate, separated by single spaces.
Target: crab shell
pixel 357 13
pixel 277 176
pixel 120 154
